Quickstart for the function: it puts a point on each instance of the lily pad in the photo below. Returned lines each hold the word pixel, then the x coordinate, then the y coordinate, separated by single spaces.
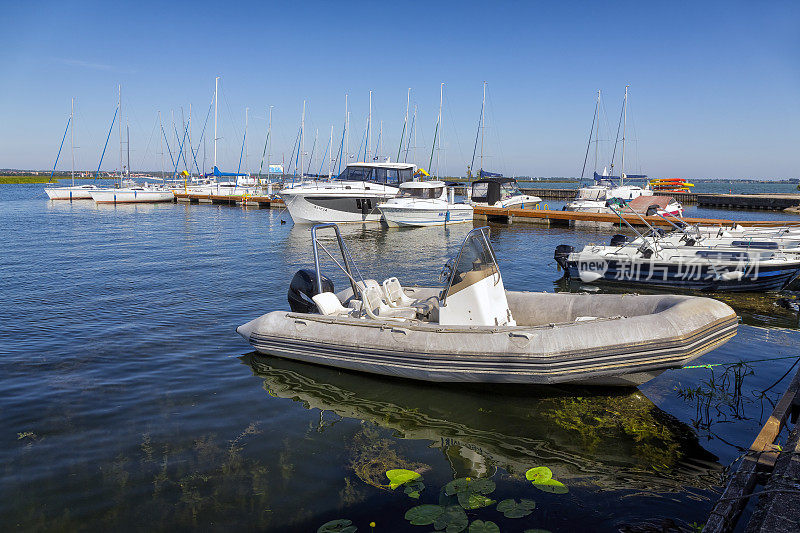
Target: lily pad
pixel 479 526
pixel 473 500
pixel 452 520
pixel 552 486
pixel 342 525
pixel 400 476
pixel 466 484
pixel 422 515
pixel 413 489
pixel 539 474
pixel 513 509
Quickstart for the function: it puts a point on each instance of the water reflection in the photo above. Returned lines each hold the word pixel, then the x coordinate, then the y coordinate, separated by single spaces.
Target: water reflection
pixel 599 437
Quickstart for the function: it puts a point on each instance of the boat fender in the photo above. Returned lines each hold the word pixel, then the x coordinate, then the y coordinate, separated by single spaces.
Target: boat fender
pixel 561 254
pixel 733 275
pixel 588 276
pixel 301 289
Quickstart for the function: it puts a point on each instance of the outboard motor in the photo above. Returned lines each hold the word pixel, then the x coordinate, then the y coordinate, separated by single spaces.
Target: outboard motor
pixel 652 210
pixel 561 254
pixel 302 287
pixel 619 240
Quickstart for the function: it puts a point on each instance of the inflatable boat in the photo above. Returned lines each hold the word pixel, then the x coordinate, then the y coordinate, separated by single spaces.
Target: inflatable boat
pixel 473 330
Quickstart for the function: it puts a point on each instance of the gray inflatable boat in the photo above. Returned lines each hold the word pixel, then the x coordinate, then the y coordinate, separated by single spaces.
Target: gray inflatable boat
pixel 473 330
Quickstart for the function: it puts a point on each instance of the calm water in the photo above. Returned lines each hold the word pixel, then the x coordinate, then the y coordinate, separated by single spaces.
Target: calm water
pixel 130 402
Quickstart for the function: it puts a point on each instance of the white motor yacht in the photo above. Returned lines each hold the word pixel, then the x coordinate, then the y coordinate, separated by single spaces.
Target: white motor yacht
pixel 353 196
pixel 596 198
pixel 497 191
pixel 424 203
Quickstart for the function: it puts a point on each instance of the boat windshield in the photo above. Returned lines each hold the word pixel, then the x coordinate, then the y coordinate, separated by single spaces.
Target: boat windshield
pixel 388 176
pixel 508 190
pixel 475 261
pixel 419 192
pixel 591 194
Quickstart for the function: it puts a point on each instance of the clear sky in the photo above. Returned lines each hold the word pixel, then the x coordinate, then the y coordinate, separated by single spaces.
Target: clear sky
pixel 714 86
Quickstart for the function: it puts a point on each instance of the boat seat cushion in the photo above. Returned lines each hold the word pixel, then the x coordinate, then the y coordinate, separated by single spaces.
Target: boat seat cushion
pixel 395 295
pixel 376 308
pixel 329 304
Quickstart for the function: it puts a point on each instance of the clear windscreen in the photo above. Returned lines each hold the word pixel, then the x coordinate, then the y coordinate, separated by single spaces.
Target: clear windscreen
pixel 475 262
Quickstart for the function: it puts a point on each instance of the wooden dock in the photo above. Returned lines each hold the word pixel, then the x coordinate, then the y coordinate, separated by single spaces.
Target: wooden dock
pixel 263 202
pixel 549 217
pixel 766 464
pixel 772 202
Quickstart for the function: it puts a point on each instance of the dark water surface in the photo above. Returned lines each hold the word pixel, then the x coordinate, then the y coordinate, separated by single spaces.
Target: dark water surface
pixel 129 402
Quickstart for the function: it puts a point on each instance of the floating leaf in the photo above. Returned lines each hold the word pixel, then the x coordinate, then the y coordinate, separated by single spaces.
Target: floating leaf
pixel 342 525
pixel 413 489
pixel 479 526
pixel 539 474
pixel 473 500
pixel 452 520
pixel 400 476
pixel 422 515
pixel 465 484
pixel 552 486
pixel 513 509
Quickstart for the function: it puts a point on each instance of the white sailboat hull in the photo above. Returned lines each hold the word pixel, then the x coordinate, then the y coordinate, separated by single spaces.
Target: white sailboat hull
pixel 77 192
pixel 130 196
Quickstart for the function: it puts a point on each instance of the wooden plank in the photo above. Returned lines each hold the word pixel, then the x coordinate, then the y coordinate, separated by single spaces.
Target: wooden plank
pixel 769 432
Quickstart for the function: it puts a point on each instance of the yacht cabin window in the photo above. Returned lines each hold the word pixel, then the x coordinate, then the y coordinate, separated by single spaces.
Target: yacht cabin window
pixel 507 190
pixel 391 176
pixel 418 192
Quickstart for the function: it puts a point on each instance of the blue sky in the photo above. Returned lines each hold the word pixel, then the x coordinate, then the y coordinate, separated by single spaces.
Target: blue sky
pixel 714 86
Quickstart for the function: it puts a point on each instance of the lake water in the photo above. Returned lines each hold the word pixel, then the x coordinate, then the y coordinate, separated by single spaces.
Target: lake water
pixel 129 401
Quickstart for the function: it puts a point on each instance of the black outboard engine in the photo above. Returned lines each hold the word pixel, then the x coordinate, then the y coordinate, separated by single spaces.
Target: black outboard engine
pixel 652 210
pixel 303 287
pixel 561 254
pixel 619 240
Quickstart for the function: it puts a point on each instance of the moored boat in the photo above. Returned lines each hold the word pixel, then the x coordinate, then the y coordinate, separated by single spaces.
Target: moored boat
pixel 131 195
pixel 473 330
pixel 424 203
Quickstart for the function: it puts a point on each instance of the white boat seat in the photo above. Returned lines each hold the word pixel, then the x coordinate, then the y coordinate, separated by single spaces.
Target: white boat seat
pixel 329 304
pixel 376 308
pixel 395 295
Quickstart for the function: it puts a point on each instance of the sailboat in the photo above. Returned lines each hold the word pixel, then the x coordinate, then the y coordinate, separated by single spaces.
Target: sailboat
pixel 492 189
pixel 135 193
pixel 73 192
pixel 598 197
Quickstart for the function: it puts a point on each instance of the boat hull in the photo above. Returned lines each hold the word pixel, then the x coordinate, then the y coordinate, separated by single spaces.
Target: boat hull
pixel 657 333
pixel 417 217
pixel 322 207
pixel 669 275
pixel 69 193
pixel 126 196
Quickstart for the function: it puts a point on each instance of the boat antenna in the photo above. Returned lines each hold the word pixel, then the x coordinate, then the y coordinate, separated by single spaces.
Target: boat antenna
pixel 405 123
pixel 591 133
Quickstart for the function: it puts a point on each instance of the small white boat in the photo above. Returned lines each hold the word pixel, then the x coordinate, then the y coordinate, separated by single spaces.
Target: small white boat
pixel 497 191
pixel 75 192
pixel 472 330
pixel 132 195
pixel 424 203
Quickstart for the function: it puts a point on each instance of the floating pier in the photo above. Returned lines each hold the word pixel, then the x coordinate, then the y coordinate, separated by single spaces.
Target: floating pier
pixel 772 202
pixel 548 217
pixel 775 468
pixel 264 202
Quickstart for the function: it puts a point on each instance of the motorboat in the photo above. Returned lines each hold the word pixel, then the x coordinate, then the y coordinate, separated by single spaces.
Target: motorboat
pixel 600 198
pixel 471 329
pixel 494 190
pixel 353 196
pixel 649 261
pixel 424 203
pixel 74 192
pixel 130 195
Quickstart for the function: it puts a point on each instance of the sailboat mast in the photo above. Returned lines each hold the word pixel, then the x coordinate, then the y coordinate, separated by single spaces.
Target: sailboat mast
pixel 72 138
pixel 405 124
pixel 161 143
pixel 244 143
pixel 369 127
pixel 483 121
pixel 216 88
pixel 624 123
pixel 128 146
pixel 330 159
pixel 597 131
pixel 302 138
pixel 119 130
pixel 436 131
pixel 346 155
pixel 591 134
pixel 189 140
pixel 379 150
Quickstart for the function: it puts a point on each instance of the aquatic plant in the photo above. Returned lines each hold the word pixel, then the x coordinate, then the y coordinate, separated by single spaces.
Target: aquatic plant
pixel 719 397
pixel 451 518
pixel 372 456
pixel 471 493
pixel 400 476
pixel 341 525
pixel 479 526
pixel 542 478
pixel 513 509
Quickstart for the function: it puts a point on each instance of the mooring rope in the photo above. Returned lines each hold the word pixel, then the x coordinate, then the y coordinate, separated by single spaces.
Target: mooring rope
pixel 711 365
